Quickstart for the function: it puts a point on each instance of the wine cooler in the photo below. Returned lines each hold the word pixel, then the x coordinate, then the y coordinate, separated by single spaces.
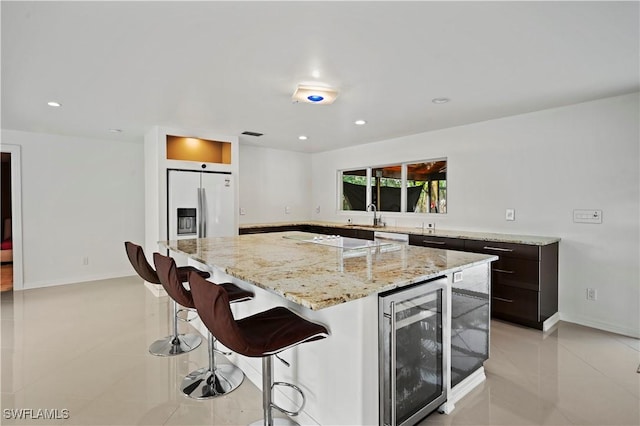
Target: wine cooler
pixel 413 359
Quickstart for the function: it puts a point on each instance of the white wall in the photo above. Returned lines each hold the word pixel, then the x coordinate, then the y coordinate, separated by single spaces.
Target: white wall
pixel 270 181
pixel 80 198
pixel 544 165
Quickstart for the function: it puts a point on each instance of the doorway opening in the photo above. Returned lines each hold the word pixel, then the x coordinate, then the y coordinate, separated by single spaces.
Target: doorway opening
pixel 10 219
pixel 6 249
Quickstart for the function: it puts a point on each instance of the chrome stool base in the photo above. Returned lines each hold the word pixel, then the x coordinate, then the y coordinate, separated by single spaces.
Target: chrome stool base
pixel 277 421
pixel 267 397
pixel 175 345
pixel 204 383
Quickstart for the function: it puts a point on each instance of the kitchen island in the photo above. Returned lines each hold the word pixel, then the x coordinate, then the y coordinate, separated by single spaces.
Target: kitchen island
pixel 339 287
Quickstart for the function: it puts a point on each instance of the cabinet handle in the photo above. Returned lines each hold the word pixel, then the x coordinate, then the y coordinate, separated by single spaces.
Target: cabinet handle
pixel 504 271
pixel 434 242
pixel 496 248
pixel 503 300
pixel 393 379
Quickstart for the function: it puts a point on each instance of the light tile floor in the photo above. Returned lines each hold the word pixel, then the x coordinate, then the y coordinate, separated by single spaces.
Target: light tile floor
pixel 83 348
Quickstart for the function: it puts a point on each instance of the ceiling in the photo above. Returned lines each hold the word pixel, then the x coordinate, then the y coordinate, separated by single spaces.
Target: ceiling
pixel 233 66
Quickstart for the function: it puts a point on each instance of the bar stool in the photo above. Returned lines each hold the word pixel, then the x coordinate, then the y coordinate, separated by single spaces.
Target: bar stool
pixel 260 335
pixel 175 344
pixel 214 380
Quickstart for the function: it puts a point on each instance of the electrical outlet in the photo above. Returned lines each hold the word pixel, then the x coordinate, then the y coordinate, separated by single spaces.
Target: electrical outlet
pixel 243 211
pixel 287 210
pixel 318 209
pixel 592 294
pixel 430 226
pixel 510 214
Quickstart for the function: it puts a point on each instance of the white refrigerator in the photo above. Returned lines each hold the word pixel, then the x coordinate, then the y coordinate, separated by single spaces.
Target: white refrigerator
pixel 200 204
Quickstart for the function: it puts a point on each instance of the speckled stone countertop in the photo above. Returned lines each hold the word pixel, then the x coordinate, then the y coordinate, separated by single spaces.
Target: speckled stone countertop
pixel 467 235
pixel 319 276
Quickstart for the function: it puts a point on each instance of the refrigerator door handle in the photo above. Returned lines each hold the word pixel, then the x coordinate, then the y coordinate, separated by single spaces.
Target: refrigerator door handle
pixel 199 212
pixel 203 212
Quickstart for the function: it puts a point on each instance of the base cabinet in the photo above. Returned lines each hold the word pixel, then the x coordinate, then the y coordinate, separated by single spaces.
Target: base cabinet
pixel 364 234
pixel 524 280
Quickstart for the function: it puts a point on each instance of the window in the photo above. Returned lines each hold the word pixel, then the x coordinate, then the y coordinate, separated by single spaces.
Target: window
pixel 419 187
pixel 354 190
pixel 386 188
pixel 427 187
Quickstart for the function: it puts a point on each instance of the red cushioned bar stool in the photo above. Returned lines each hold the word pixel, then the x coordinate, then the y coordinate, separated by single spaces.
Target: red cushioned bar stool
pixel 214 380
pixel 260 335
pixel 175 344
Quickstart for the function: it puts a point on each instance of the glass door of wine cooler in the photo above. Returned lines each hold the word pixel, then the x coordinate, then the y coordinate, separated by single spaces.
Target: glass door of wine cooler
pixel 413 358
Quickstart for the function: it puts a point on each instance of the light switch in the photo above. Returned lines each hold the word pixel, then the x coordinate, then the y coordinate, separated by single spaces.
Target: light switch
pixel 587 216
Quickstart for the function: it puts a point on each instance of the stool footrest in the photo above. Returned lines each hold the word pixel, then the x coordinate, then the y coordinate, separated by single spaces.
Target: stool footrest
pixel 183 314
pixel 218 351
pixel 294 387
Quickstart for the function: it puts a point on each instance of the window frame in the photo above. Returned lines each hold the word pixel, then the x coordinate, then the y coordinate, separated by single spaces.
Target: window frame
pixel 369 181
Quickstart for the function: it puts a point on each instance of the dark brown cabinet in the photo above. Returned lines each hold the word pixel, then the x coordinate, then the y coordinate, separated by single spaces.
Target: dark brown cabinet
pixel 364 234
pixel 436 242
pixel 524 280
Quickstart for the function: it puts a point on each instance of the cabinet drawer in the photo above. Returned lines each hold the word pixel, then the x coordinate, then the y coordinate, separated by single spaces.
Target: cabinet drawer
pixel 514 302
pixel 524 251
pixel 523 273
pixel 436 242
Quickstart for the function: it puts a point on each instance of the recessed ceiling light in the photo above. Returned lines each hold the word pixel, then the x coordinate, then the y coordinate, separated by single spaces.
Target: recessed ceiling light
pixel 54 104
pixel 440 100
pixel 302 138
pixel 360 122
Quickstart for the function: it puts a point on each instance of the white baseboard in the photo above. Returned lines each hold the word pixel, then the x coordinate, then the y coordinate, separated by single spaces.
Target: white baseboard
pixel 74 280
pixel 550 322
pixel 600 325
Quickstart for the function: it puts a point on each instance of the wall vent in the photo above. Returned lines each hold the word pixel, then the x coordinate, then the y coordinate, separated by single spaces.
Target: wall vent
pixel 248 133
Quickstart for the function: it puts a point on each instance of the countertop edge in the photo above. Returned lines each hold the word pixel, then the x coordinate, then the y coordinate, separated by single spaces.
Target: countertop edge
pixel 534 240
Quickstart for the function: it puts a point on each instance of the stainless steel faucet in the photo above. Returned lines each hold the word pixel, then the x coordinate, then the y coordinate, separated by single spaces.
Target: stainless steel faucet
pixel 375 218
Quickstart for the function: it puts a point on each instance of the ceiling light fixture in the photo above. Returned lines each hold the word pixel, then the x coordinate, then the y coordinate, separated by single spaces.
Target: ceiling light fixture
pixel 54 104
pixel 360 122
pixel 440 100
pixel 314 94
pixel 302 137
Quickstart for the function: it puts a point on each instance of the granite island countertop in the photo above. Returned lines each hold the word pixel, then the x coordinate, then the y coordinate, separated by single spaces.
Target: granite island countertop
pixel 319 276
pixel 466 235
